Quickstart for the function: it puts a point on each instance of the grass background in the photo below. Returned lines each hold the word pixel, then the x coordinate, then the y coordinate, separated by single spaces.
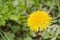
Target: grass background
pixel 13 16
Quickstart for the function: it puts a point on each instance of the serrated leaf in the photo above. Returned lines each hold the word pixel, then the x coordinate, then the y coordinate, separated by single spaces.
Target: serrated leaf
pixel 14 17
pixel 2 21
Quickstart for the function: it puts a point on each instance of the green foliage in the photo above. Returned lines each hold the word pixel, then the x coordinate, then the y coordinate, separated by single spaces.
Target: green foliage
pixel 13 16
pixel 11 36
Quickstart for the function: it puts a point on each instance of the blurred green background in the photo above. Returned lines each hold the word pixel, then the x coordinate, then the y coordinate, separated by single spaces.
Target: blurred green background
pixel 14 14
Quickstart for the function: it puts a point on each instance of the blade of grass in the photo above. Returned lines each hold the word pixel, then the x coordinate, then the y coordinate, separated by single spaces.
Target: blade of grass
pixel 5 35
pixel 51 7
pixel 2 36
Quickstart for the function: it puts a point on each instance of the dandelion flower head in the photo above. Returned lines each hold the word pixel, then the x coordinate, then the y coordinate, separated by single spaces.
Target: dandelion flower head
pixel 39 20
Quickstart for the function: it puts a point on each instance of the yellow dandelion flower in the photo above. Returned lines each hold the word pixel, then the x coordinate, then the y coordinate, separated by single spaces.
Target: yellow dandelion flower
pixel 39 20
